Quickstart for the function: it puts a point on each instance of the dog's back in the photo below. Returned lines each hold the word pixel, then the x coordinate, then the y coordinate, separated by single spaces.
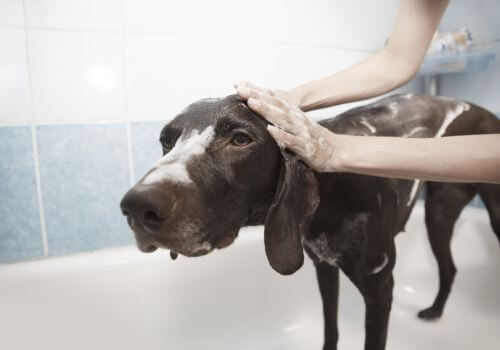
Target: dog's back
pixel 415 116
pixel 426 116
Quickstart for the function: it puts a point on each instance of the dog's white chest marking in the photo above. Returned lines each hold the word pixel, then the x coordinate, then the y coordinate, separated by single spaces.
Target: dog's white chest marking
pixel 172 166
pixel 319 247
pixel 451 115
pixel 380 267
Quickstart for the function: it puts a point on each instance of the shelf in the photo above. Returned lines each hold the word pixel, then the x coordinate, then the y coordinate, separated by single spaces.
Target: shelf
pixel 456 63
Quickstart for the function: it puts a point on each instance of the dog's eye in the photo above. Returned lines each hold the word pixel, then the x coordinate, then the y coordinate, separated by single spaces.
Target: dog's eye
pixel 166 144
pixel 241 139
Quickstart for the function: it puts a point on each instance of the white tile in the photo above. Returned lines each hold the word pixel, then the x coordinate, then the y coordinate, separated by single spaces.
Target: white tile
pixel 75 14
pixel 348 24
pixel 11 12
pixel 243 19
pixel 77 76
pixel 249 60
pixel 164 74
pixel 299 64
pixel 15 103
pixel 163 16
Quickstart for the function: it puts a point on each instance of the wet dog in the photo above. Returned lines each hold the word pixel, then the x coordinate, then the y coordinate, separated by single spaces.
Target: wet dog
pixel 221 170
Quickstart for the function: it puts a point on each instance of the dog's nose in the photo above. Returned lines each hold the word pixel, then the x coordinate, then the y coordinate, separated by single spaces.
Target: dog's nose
pixel 143 209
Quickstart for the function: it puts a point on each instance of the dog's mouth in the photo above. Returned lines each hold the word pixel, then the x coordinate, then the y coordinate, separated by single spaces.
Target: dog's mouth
pixel 147 243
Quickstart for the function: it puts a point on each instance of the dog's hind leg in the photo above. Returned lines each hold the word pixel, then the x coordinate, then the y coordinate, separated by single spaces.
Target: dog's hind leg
pixel 328 280
pixel 490 194
pixel 443 205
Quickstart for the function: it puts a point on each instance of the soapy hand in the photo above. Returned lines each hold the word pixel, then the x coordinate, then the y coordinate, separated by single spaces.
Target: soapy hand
pixel 317 146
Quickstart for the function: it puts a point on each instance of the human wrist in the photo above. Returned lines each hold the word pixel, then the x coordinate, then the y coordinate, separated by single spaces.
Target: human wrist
pixel 316 95
pixel 305 96
pixel 341 158
pixel 296 95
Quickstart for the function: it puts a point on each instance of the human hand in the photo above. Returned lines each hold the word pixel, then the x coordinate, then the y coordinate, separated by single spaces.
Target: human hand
pixel 317 146
pixel 284 95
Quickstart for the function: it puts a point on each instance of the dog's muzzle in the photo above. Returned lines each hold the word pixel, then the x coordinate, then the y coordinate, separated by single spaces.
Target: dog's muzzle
pixel 145 212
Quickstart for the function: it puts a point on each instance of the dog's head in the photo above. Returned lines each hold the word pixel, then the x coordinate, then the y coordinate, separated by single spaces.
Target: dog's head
pixel 221 170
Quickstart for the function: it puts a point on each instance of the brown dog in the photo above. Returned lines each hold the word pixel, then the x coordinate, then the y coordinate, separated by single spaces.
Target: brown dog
pixel 221 170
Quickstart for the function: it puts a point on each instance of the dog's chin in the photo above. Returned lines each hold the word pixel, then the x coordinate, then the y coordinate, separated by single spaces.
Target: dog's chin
pixel 186 248
pixel 227 240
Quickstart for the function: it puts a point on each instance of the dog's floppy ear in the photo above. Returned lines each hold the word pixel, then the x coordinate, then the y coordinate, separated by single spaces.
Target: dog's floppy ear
pixel 289 216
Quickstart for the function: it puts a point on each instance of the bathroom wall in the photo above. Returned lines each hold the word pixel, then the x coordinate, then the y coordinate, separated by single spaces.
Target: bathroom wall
pixel 481 18
pixel 85 86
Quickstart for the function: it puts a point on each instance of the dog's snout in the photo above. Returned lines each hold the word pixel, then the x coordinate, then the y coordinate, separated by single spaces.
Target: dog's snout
pixel 152 218
pixel 144 209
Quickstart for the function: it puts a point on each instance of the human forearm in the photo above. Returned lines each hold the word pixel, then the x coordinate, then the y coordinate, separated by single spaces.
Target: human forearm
pixel 377 74
pixel 471 158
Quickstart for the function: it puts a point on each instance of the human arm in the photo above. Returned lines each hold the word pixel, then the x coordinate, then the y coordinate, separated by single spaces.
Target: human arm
pixel 469 158
pixel 381 72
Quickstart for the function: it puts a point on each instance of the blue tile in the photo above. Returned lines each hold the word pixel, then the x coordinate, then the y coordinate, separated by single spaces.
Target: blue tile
pixel 20 236
pixel 146 149
pixel 84 173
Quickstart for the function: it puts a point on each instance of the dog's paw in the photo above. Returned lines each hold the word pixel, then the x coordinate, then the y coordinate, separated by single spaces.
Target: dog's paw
pixel 430 314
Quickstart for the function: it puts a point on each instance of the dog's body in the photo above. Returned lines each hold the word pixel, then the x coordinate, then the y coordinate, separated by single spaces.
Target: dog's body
pixel 342 220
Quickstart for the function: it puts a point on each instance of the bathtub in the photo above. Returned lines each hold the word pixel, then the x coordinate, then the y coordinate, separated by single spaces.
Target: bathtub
pixel 122 299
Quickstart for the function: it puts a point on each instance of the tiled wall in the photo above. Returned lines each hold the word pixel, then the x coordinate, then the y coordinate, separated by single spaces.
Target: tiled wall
pixel 85 86
pixel 481 18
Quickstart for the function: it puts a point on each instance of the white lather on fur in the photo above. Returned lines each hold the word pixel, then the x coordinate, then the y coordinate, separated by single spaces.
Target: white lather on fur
pixel 451 115
pixel 172 166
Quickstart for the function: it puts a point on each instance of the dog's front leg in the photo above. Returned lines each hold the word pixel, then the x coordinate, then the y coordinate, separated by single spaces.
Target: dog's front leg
pixel 328 280
pixel 377 293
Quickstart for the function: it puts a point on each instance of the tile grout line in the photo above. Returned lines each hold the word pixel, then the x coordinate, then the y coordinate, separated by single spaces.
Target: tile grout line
pixel 38 181
pixel 129 151
pixel 34 142
pixel 131 171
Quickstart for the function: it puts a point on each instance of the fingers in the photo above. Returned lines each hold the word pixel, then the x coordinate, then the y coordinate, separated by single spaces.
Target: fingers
pixel 272 114
pixel 245 84
pixel 246 90
pixel 293 143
